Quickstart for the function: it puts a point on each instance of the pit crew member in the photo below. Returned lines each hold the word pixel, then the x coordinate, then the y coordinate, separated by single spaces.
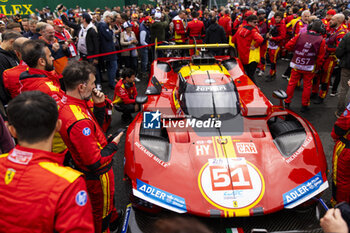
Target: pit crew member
pixel 37 193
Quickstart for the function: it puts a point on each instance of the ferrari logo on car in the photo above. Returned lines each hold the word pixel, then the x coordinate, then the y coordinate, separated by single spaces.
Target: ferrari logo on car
pixel 10 173
pixel 151 120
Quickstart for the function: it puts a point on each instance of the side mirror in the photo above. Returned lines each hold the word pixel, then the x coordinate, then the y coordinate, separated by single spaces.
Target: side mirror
pixel 281 95
pixel 141 99
pixel 156 89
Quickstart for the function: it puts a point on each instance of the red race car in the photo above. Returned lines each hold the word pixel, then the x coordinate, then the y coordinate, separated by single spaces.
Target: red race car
pixel 209 143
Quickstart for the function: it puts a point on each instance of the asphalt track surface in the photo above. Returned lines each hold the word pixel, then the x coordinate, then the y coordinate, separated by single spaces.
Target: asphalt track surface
pixel 320 116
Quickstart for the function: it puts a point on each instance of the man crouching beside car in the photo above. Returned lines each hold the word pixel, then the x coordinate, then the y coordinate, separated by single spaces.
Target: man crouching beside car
pixel 125 94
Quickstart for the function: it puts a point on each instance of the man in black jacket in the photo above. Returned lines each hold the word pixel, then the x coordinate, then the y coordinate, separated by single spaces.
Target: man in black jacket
pixel 215 34
pixel 343 53
pixel 8 58
pixel 88 42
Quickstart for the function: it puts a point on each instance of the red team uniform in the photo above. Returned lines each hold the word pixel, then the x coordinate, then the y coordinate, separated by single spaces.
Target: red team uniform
pixel 48 196
pixel 93 157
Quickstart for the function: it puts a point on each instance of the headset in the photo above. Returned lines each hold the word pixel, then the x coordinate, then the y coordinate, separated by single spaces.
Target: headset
pixel 128 85
pixel 261 12
pixel 317 25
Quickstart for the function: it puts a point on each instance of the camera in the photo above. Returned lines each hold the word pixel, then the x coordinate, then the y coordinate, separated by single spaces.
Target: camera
pixel 273 31
pixel 345 211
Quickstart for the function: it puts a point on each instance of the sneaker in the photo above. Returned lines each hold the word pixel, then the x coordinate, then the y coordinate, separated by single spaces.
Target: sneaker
pixel 304 108
pixel 285 76
pixel 334 93
pixel 270 78
pixel 137 79
pixel 99 87
pixel 319 100
pixel 116 224
pixel 314 95
pixel 261 73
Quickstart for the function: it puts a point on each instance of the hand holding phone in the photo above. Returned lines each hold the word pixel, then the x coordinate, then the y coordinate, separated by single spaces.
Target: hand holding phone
pixel 116 136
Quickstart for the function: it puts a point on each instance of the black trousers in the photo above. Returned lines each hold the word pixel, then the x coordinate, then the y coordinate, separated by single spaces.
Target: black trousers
pixel 250 70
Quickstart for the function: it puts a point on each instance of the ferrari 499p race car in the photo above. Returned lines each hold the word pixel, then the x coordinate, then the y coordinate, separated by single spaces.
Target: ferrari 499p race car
pixel 209 143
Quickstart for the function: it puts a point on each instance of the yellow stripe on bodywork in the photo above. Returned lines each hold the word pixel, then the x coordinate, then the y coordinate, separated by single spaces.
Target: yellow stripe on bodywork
pixel 4 155
pixel 219 153
pixel 229 148
pixel 212 69
pixel 176 102
pixel 66 173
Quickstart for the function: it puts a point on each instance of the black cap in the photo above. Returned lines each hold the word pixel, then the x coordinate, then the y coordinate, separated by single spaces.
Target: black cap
pixel 87 17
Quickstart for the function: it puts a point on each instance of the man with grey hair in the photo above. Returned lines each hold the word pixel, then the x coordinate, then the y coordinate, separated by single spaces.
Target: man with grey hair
pixel 107 45
pixel 301 24
pixel 60 51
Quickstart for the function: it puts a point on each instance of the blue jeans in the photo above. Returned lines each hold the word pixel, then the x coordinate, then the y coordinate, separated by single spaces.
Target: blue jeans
pixel 112 67
pixel 144 59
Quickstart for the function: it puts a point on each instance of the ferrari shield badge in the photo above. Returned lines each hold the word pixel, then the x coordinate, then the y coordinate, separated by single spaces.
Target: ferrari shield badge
pixel 10 173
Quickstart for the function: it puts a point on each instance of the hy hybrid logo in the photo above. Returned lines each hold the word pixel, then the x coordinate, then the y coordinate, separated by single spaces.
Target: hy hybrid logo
pixel 151 120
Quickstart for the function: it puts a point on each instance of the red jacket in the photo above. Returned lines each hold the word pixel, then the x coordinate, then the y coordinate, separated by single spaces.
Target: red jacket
pixel 47 82
pixel 179 29
pixel 79 125
pixel 41 80
pixel 66 36
pixel 226 22
pixel 342 126
pixel 245 37
pixel 280 30
pixel 123 94
pixel 300 26
pixel 336 35
pixel 38 194
pixel 195 28
pixel 11 78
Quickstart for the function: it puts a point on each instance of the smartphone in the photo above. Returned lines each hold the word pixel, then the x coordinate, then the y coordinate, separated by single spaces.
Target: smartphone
pixel 121 130
pixel 61 42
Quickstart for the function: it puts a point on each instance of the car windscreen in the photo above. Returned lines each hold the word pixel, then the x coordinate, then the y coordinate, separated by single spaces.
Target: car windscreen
pixel 210 100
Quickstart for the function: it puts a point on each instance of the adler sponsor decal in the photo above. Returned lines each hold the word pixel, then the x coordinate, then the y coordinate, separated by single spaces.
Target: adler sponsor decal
pixel 303 190
pixel 160 196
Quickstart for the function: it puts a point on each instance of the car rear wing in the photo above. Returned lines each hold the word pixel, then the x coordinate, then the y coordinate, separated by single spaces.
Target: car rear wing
pixel 193 46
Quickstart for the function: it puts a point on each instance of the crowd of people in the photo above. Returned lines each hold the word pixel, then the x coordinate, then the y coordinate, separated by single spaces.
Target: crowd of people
pixel 59 53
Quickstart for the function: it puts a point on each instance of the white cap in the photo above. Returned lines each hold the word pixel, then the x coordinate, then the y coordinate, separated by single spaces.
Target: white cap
pixel 158 8
pixel 127 24
pixel 158 15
